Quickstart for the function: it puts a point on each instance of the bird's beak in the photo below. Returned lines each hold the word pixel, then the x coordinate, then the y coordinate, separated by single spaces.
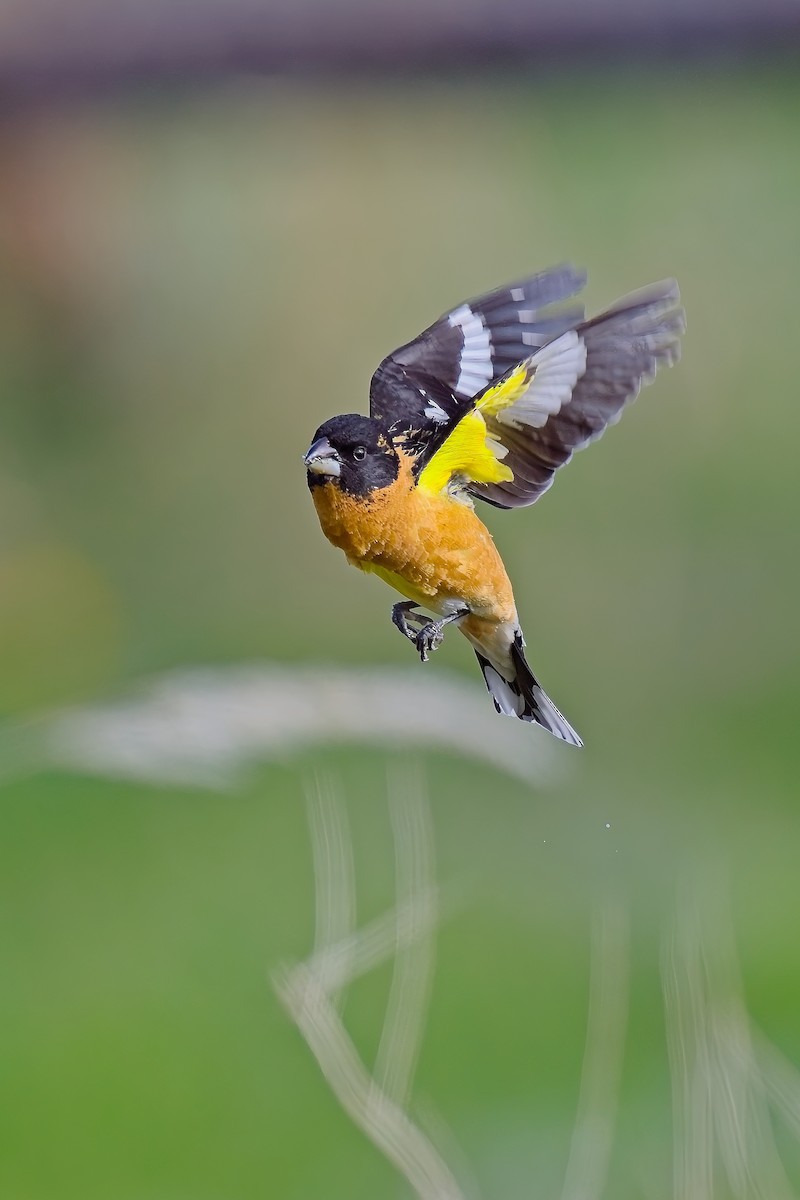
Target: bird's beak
pixel 322 459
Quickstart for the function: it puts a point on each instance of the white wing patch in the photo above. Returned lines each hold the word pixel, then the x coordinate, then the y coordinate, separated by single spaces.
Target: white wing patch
pixel 557 368
pixel 497 448
pixel 475 363
pixel 435 412
pixel 534 339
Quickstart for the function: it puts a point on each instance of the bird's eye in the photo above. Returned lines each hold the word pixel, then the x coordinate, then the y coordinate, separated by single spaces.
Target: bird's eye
pixel 359 452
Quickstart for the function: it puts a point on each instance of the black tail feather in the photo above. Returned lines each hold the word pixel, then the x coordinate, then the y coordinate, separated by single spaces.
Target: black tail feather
pixel 523 696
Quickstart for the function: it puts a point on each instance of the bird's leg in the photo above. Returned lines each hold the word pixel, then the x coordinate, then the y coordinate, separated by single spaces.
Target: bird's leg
pixel 402 613
pixel 431 634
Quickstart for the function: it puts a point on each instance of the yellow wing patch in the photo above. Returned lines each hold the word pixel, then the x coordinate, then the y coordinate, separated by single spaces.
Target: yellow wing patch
pixel 467 452
pixel 464 453
pixel 507 391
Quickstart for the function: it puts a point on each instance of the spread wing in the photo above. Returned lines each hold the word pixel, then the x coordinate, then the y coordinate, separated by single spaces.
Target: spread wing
pixel 421 390
pixel 514 435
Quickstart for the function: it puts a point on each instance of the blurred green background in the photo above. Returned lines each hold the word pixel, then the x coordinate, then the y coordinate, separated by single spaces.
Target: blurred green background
pixel 191 280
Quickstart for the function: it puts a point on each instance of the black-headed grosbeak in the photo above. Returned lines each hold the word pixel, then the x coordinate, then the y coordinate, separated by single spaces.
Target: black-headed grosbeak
pixel 487 403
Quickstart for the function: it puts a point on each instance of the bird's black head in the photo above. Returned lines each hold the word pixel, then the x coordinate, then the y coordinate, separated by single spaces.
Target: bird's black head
pixel 353 452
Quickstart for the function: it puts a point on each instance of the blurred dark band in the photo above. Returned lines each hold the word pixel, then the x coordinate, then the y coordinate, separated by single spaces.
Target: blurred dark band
pixel 46 47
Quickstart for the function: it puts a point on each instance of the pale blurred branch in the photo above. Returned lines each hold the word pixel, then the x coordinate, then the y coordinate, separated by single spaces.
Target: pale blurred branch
pixel 781 1080
pixel 720 1086
pixel 311 991
pixel 375 942
pixel 595 1124
pixel 204 727
pixel 334 877
pixel 414 955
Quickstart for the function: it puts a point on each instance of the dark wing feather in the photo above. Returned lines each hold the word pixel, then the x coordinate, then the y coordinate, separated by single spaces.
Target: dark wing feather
pixel 423 389
pixel 624 347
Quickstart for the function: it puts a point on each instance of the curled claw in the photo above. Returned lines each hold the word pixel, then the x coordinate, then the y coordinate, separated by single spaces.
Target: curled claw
pixel 429 634
pixel 429 638
pixel 402 614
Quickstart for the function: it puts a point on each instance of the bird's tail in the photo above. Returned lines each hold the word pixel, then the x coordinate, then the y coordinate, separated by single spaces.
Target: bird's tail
pixel 517 693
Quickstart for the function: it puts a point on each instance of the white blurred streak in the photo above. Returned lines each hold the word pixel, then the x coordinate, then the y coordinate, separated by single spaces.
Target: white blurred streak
pixel 442 1134
pixel 747 1148
pixel 403 1027
pixel 334 877
pixel 693 1153
pixel 376 942
pixel 781 1080
pixel 721 1115
pixel 311 991
pixel 385 1123
pixel 593 1135
pixel 203 726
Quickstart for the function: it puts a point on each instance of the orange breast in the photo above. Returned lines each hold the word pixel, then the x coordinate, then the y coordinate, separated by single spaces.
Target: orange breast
pixel 437 546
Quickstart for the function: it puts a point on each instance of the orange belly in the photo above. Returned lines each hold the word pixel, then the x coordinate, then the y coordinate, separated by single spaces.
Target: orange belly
pixel 431 548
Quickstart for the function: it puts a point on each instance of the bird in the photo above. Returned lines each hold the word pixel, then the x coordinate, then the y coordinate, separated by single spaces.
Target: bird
pixel 485 405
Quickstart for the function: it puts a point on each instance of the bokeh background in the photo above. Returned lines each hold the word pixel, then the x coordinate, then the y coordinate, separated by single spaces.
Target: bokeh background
pixel 207 242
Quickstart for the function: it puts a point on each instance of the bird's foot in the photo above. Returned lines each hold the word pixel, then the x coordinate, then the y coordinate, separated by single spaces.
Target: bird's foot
pixel 402 614
pixel 429 638
pixel 430 634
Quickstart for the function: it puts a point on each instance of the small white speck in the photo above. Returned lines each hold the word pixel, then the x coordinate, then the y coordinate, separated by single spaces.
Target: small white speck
pixel 608 824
